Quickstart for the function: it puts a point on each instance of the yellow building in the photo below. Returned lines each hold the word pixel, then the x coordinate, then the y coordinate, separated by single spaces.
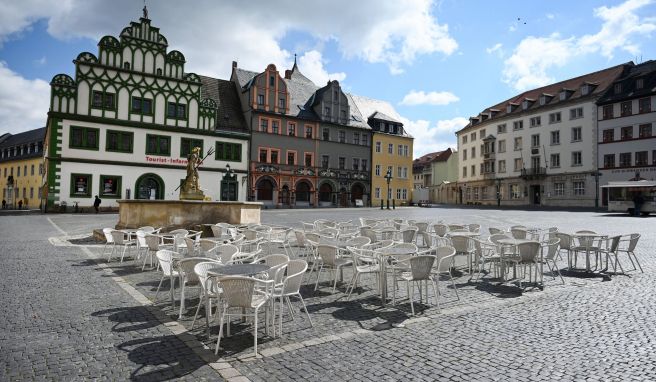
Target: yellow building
pixel 391 154
pixel 21 168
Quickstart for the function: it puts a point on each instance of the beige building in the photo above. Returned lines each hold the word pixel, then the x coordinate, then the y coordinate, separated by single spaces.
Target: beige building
pixel 21 168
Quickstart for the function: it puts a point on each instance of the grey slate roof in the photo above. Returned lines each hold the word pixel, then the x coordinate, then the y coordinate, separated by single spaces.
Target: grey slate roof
pixel 376 108
pixel 383 116
pixel 244 76
pixel 301 89
pixel 646 71
pixel 24 138
pixel 229 114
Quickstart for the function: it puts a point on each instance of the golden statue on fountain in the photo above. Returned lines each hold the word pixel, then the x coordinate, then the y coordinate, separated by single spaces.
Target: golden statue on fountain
pixel 190 189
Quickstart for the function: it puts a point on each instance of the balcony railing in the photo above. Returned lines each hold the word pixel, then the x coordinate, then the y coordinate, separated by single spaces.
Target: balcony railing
pixel 489 175
pixel 534 172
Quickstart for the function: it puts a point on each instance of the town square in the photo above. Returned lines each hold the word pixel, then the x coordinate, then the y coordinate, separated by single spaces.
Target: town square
pixel 265 191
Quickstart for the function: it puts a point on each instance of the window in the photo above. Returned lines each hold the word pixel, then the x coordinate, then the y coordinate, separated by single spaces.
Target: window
pixel 110 186
pixel 644 131
pixel 554 117
pixel 404 194
pixel 356 164
pixel 364 164
pixel 308 132
pixel 281 104
pixel 399 172
pixel 607 112
pixel 158 145
pixel 291 129
pixel 473 152
pixel 617 88
pixel 228 151
pixel 40 170
pixel 274 156
pixel 159 71
pixel 291 158
pixel 263 155
pixel 473 170
pixel 579 187
pixel 32 170
pixel 518 164
pixel 626 133
pixel 31 192
pixel 103 100
pixel 608 135
pixel 502 166
pixel 641 158
pixel 390 148
pixel 272 81
pixel 625 159
pixel 625 108
pixel 84 138
pixel 406 150
pixel 188 144
pixel 325 160
pixel 377 147
pixel 576 158
pixel 80 185
pixel 400 150
pixel 536 121
pixel 260 100
pixel 264 125
pixel 377 170
pixel 25 170
pixel 518 125
pixel 502 146
pixel 365 140
pixel 472 136
pixel 326 111
pixel 325 134
pixel 576 134
pixel 464 139
pixel 518 144
pixel 653 157
pixel 464 154
pixel 514 191
pixel 559 189
pixel 501 128
pixel 342 136
pixel 535 140
pixel 342 163
pixel 377 192
pixel 555 137
pixel 609 160
pixel 644 105
pixel 398 193
pixel 119 141
pixel 142 106
pixel 640 83
pixel 356 138
pixel 126 65
pixel 274 127
pixel 555 161
pixel 464 171
pixel 18 171
pixel 176 110
pixel 576 113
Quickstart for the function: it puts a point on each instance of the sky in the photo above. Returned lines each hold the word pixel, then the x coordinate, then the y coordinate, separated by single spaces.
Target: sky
pixel 437 62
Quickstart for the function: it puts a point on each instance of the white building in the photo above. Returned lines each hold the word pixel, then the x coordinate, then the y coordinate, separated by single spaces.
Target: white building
pixel 123 127
pixel 538 147
pixel 627 119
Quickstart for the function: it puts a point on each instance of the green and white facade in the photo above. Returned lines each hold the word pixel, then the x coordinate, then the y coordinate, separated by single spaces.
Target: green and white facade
pixel 123 126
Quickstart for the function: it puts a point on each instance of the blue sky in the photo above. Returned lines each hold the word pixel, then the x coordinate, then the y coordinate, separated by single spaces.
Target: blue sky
pixel 436 62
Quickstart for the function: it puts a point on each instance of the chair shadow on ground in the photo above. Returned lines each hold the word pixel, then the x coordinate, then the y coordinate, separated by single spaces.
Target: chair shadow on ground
pixel 128 319
pixel 87 262
pixel 160 358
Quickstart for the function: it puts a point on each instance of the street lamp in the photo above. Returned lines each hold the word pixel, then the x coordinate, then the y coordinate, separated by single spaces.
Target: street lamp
pixel 388 178
pixel 596 175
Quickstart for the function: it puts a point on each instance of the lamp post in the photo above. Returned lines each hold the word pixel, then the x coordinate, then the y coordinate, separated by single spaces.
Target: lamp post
pixel 596 175
pixel 498 192
pixel 388 178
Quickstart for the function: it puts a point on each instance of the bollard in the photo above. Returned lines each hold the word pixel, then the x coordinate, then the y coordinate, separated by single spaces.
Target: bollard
pixel 393 204
pixel 388 204
pixel 381 204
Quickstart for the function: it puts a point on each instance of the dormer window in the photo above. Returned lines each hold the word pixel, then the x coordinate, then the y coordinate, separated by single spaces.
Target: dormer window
pixel 159 71
pixel 272 81
pixel 585 89
pixel 564 94
pixel 617 88
pixel 326 111
pixel 525 104
pixel 640 83
pixel 543 100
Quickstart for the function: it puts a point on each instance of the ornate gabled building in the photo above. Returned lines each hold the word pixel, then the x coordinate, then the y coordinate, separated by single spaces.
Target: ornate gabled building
pixel 538 147
pixel 627 122
pixel 21 168
pixel 124 125
pixel 309 145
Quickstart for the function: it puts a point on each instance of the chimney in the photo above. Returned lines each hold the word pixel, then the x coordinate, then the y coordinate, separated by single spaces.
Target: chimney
pixel 288 74
pixel 234 64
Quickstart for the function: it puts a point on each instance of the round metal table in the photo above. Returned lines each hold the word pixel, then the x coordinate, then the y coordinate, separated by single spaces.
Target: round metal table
pixel 239 269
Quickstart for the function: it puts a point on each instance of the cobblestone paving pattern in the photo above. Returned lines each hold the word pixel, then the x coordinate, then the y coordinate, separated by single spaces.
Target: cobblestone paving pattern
pixel 586 329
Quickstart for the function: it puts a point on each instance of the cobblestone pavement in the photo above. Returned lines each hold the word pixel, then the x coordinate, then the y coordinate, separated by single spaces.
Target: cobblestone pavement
pixel 587 329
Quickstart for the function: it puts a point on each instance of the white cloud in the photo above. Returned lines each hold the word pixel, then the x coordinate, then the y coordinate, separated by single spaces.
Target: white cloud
pixel 433 138
pixel 532 59
pixel 311 65
pixel 430 98
pixel 550 16
pixel 214 33
pixel 23 102
pixel 41 61
pixel 497 49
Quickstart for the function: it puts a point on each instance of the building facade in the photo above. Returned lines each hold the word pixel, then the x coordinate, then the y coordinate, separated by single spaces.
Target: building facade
pixel 537 148
pixel 627 119
pixel 123 127
pixel 21 168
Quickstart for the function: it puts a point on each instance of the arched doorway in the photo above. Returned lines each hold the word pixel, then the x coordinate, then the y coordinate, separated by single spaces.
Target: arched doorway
pixel 357 192
pixel 303 193
pixel 325 194
pixel 284 195
pixel 264 189
pixel 149 186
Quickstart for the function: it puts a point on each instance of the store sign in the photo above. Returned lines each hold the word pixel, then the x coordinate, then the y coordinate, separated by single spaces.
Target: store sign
pixel 166 160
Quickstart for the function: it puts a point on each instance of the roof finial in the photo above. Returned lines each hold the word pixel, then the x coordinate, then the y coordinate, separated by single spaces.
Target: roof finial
pixel 294 61
pixel 145 11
